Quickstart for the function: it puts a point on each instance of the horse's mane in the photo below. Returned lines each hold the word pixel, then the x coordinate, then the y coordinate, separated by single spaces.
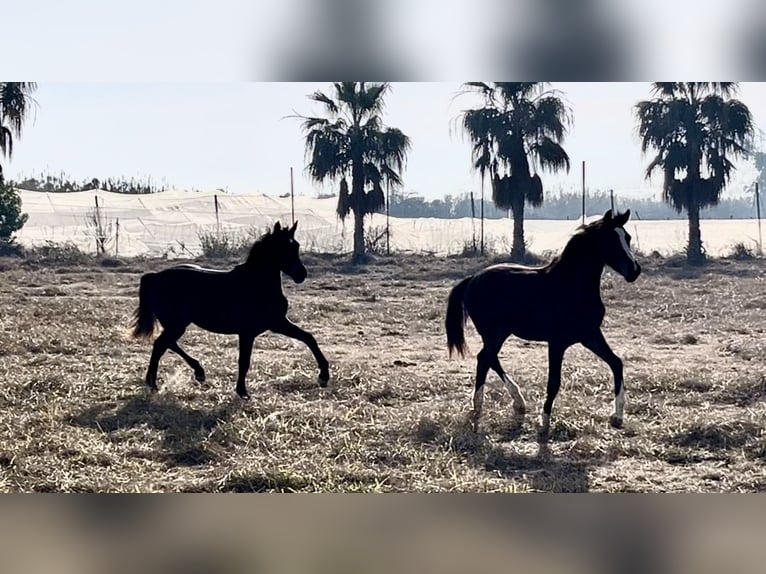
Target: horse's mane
pixel 259 248
pixel 581 233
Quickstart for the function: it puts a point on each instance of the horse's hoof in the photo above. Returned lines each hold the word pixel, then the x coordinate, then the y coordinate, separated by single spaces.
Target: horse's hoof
pixel 244 395
pixel 615 421
pixel 200 377
pixel 323 380
pixel 519 409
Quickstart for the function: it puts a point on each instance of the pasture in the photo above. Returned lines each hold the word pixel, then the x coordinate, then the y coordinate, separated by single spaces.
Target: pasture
pixel 75 415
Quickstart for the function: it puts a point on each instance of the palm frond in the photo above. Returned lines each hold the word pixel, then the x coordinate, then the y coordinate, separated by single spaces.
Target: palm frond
pixel 372 98
pixel 550 155
pixel 375 199
pixel 535 191
pixel 515 91
pixel 344 200
pixel 551 117
pixel 16 103
pixel 330 105
pixel 484 89
pixel 6 141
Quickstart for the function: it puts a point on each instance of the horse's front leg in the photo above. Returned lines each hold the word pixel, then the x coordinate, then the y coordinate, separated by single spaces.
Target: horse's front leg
pixel 555 357
pixel 289 329
pixel 245 353
pixel 598 345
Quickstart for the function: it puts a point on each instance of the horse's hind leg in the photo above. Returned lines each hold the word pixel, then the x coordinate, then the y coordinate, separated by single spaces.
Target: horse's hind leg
pixel 483 363
pixel 199 372
pixel 519 404
pixel 161 344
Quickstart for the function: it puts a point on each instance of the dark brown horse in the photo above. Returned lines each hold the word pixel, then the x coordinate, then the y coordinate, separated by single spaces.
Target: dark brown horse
pixel 245 301
pixel 559 303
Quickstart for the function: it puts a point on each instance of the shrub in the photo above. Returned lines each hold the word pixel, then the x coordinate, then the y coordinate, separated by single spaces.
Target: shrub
pixel 11 217
pixel 225 244
pixel 741 252
pixel 61 253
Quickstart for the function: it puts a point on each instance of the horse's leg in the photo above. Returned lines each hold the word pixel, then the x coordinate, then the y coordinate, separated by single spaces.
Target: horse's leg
pixel 161 345
pixel 598 345
pixel 483 362
pixel 519 404
pixel 245 352
pixel 555 358
pixel 290 329
pixel 199 372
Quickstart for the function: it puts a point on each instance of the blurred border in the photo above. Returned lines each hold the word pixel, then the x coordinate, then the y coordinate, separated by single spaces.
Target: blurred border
pixel 233 534
pixel 392 40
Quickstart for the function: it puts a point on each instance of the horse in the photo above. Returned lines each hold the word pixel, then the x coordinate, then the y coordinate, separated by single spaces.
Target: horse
pixel 245 301
pixel 558 303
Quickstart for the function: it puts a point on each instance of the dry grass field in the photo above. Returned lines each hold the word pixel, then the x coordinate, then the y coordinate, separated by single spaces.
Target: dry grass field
pixel 76 417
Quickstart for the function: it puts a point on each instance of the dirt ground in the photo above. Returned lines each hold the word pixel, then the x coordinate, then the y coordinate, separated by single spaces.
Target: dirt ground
pixel 76 417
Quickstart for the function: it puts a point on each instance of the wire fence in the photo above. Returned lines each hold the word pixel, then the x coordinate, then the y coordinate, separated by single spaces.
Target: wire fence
pixel 170 224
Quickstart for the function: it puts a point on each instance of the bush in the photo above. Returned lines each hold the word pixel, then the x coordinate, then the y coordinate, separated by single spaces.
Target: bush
pixel 225 244
pixel 56 253
pixel 742 252
pixel 11 217
pixel 10 249
pixel 375 240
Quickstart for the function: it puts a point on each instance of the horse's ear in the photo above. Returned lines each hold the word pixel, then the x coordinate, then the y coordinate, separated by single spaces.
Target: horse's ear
pixel 293 228
pixel 622 219
pixel 608 216
pixel 277 227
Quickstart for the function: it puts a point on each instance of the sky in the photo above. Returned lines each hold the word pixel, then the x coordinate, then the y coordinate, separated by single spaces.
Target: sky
pixel 237 136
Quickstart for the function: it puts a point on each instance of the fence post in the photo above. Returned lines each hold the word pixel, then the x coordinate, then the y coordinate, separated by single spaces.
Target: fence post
pixel 473 222
pixel 97 226
pixel 758 215
pixel 117 237
pixel 611 197
pixel 217 220
pixel 482 213
pixel 583 192
pixel 292 198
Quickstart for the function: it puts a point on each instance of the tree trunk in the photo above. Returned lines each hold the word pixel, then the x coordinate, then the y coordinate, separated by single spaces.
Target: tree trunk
pixel 358 236
pixel 694 255
pixel 518 250
pixel 358 207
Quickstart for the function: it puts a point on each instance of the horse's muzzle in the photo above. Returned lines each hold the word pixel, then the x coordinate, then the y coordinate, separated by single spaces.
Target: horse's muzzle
pixel 633 273
pixel 297 273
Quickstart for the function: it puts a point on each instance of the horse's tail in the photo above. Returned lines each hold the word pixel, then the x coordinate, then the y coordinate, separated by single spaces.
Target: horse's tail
pixel 144 317
pixel 456 318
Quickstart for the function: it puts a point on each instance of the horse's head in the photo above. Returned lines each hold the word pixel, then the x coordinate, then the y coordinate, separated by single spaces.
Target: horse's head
pixel 286 252
pixel 615 245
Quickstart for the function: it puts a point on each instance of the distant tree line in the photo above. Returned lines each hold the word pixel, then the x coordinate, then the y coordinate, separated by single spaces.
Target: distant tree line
pixel 561 206
pixel 63 184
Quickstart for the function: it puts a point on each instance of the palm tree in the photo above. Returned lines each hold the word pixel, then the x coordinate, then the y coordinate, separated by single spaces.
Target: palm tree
pixel 15 105
pixel 351 141
pixel 696 127
pixel 517 132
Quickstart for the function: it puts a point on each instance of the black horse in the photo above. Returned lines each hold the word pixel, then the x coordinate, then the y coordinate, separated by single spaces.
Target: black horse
pixel 559 303
pixel 244 301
